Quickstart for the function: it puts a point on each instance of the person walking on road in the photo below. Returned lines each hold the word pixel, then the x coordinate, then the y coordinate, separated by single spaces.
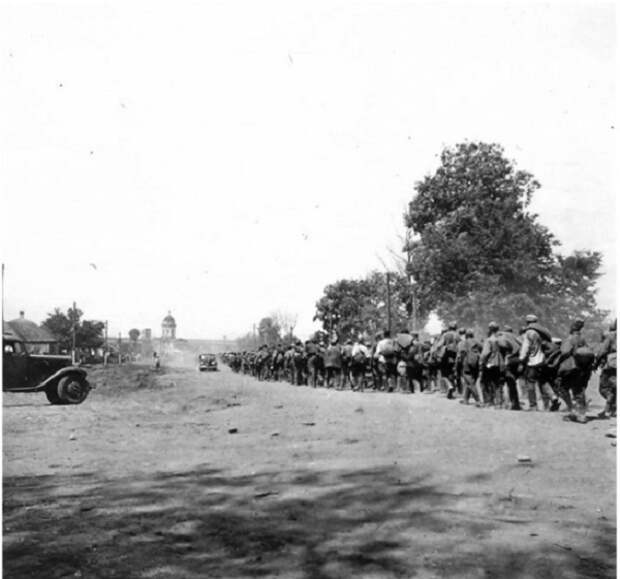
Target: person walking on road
pixel 492 369
pixel 532 362
pixel 575 366
pixel 606 360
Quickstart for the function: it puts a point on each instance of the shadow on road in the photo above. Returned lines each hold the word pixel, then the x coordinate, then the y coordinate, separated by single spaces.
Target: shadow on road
pixel 299 523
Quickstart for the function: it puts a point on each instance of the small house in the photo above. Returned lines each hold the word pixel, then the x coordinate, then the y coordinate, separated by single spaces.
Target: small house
pixel 38 339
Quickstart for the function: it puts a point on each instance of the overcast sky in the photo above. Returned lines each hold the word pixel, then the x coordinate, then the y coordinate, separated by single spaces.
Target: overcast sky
pixel 225 159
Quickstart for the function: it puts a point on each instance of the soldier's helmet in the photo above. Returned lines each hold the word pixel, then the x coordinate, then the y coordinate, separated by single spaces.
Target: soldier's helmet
pixel 531 319
pixel 577 325
pixel 452 326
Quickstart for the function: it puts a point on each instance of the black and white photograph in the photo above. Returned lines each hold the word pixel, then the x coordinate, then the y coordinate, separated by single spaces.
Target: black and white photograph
pixel 308 290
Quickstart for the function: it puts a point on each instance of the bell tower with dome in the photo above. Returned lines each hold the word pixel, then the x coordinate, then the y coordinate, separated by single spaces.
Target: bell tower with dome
pixel 169 328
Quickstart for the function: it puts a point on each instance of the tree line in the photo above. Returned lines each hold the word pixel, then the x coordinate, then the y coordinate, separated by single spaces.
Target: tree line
pixel 472 251
pixel 88 333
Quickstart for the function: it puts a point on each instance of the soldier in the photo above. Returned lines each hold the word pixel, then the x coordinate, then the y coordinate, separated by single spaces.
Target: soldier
pixel 607 381
pixel 552 362
pixel 385 355
pixel 312 357
pixel 403 342
pixel 492 368
pixel 264 361
pixel 414 358
pixel 289 367
pixel 532 362
pixel 360 355
pixel 431 365
pixel 471 349
pixel 510 347
pixel 458 363
pixel 446 353
pixel 574 372
pixel 300 364
pixel 333 364
pixel 277 363
pixel 347 355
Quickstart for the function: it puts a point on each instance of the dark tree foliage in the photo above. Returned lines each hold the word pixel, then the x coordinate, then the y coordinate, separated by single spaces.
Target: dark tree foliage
pixel 60 325
pixel 477 254
pixel 320 337
pixel 134 334
pixel 88 333
pixel 350 307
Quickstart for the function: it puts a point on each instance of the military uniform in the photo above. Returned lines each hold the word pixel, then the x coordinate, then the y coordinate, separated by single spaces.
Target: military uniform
pixel 347 355
pixel 607 380
pixel 333 365
pixel 573 377
pixel 470 360
pixel 446 355
pixel 385 354
pixel 360 355
pixel 313 362
pixel 532 357
pixel 510 346
pixel 492 368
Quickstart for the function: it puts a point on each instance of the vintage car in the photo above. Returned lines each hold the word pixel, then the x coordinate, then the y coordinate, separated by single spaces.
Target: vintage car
pixel 54 375
pixel 207 362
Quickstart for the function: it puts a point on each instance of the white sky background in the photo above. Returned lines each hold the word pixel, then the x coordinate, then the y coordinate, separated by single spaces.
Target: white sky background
pixel 223 160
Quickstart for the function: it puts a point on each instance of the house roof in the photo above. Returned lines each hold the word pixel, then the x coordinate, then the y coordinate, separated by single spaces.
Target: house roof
pixel 30 332
pixel 7 332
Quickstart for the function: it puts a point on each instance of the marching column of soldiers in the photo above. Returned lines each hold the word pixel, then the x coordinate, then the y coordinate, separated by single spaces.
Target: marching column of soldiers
pixel 505 370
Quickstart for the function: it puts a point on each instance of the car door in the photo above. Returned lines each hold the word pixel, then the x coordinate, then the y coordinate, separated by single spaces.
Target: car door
pixel 15 366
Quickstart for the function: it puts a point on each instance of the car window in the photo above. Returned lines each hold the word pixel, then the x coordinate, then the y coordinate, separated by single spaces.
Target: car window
pixel 14 348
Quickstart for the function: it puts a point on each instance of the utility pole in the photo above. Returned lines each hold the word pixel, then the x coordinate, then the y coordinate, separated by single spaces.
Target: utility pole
pixel 73 334
pixel 105 344
pixel 119 348
pixel 3 293
pixel 389 301
pixel 411 282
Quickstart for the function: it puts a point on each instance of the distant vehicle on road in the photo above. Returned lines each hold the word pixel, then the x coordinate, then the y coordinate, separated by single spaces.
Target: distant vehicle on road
pixel 207 362
pixel 54 375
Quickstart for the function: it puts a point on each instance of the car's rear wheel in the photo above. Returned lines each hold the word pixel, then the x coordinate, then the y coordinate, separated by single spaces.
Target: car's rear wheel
pixel 72 389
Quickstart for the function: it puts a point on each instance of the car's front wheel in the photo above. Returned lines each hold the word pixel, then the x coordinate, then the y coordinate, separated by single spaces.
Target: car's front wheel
pixel 52 394
pixel 72 389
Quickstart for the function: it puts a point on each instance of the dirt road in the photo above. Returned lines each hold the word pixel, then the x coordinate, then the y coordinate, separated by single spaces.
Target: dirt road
pixel 216 475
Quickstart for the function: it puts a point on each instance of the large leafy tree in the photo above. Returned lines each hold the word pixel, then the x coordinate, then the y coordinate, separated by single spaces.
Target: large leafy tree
pixel 350 307
pixel 477 253
pixel 88 333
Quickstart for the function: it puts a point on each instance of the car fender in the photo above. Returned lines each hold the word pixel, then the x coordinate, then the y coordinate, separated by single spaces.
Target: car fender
pixel 61 374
